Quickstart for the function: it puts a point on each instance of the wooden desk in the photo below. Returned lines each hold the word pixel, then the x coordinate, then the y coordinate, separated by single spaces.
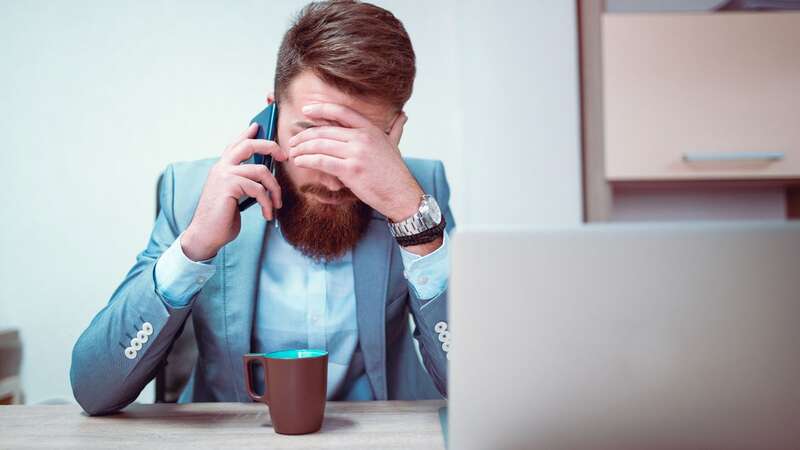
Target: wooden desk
pixel 348 425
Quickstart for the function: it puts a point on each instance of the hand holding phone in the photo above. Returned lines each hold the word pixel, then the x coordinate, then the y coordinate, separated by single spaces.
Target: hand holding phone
pixel 267 121
pixel 217 219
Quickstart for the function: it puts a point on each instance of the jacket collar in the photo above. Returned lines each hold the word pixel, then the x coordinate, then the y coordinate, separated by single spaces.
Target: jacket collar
pixel 241 266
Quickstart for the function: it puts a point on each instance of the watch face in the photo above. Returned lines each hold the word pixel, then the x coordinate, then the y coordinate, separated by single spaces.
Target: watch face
pixel 430 207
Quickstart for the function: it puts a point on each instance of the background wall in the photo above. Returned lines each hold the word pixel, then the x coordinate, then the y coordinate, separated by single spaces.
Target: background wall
pixel 97 97
pixel 627 6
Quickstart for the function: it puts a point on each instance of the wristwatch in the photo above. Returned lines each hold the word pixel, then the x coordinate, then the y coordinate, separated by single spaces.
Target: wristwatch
pixel 426 225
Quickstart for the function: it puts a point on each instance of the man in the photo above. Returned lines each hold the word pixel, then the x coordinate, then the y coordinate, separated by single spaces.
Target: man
pixel 359 240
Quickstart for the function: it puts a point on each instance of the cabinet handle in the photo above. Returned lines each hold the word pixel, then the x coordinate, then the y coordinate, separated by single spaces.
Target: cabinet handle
pixel 733 156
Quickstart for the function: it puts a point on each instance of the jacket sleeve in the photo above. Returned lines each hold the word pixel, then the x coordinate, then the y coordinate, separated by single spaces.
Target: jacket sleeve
pixel 430 316
pixel 109 369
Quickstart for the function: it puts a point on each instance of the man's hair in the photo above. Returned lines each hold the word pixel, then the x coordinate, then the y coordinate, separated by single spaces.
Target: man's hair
pixel 358 48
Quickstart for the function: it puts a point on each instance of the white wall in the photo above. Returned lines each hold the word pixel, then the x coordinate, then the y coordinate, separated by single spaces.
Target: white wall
pixel 520 120
pixel 97 97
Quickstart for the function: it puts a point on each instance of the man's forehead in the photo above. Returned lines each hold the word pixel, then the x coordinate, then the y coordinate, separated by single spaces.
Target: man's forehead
pixel 308 89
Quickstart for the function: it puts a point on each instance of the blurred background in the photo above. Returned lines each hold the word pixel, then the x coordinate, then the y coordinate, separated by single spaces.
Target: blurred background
pixel 546 113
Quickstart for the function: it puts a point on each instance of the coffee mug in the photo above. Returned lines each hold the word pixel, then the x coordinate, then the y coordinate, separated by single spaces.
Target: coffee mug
pixel 295 388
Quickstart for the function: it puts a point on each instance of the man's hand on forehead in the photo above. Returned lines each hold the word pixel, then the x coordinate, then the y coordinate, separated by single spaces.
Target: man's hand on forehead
pixel 338 123
pixel 333 114
pixel 365 158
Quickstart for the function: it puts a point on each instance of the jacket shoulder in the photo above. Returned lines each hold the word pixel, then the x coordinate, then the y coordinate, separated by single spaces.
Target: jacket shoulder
pixel 429 174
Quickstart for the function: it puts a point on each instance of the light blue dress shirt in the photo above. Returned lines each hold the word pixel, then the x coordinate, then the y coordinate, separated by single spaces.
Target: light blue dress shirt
pixel 301 303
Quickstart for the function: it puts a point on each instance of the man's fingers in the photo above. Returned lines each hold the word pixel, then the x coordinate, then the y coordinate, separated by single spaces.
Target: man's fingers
pixel 249 133
pixel 397 128
pixel 260 174
pixel 328 147
pixel 323 132
pixel 248 187
pixel 336 113
pixel 246 148
pixel 328 164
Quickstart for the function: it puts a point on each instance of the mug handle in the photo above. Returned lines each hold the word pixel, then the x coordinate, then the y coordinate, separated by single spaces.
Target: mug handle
pixel 249 358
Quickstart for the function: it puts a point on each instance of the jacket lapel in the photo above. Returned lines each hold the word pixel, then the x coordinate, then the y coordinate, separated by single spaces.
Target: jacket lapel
pixel 241 267
pixel 370 260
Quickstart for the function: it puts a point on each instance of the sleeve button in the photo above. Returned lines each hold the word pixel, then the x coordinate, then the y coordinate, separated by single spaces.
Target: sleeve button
pixel 130 353
pixel 444 336
pixel 136 344
pixel 440 327
pixel 142 337
pixel 147 327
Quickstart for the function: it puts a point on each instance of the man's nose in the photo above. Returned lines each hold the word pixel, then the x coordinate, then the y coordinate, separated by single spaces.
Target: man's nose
pixel 332 183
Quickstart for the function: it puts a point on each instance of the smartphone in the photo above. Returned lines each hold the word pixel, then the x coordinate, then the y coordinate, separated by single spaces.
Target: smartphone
pixel 267 121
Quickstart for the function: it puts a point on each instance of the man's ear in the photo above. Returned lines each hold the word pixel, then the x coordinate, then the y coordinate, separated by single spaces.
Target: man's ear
pixel 270 97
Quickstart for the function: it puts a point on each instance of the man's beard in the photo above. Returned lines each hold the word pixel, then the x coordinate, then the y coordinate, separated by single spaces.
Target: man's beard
pixel 323 232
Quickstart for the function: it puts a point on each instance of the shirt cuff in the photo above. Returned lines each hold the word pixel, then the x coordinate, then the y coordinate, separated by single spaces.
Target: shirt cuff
pixel 428 275
pixel 178 278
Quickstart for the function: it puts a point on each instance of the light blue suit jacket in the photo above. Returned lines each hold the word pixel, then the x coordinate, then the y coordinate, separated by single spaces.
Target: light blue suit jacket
pixel 104 380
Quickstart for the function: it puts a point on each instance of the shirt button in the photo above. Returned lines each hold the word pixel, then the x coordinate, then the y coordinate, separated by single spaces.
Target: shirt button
pixel 315 319
pixel 405 274
pixel 423 280
pixel 201 280
pixel 440 326
pixel 130 353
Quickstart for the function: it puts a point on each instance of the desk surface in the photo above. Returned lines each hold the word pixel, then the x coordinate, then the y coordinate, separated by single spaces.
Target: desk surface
pixel 351 425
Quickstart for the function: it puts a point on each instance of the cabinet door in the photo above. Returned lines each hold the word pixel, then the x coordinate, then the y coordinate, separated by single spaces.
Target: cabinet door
pixel 710 96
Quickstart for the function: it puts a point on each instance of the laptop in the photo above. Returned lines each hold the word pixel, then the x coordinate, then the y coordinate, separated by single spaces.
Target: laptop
pixel 668 336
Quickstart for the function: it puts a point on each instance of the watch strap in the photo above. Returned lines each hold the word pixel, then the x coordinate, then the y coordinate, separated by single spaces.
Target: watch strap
pixel 424 237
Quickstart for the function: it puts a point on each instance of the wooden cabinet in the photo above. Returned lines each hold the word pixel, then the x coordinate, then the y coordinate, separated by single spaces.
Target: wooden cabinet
pixel 710 96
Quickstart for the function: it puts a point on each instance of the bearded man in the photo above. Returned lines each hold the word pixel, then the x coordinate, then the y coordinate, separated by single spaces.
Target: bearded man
pixel 360 237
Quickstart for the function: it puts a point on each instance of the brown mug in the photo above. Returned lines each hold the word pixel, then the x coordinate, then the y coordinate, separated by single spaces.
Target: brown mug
pixel 295 388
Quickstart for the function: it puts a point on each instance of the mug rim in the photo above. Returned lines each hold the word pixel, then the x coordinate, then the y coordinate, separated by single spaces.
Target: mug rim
pixel 297 353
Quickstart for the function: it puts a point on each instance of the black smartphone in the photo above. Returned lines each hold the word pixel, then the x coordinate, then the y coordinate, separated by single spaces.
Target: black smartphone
pixel 267 121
